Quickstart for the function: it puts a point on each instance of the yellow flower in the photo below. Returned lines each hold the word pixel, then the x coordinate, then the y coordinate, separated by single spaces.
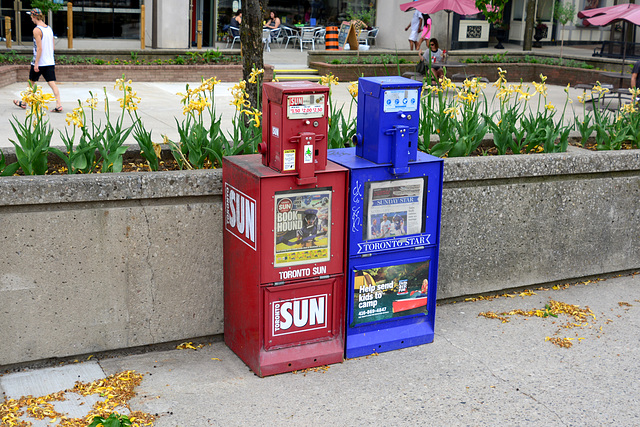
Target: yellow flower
pixel 36 100
pixel 254 74
pixel 122 85
pixel 428 90
pixel 501 78
pixel 76 117
pixel 446 83
pixel 598 88
pixel 628 109
pixel 474 84
pixel 198 104
pixel 353 89
pixel 209 84
pixel 523 95
pixel 541 87
pixel 329 80
pixel 92 102
pixel 240 95
pixel 549 107
pixel 256 114
pixel 503 94
pixel 451 112
pixel 464 96
pixel 581 99
pixel 130 100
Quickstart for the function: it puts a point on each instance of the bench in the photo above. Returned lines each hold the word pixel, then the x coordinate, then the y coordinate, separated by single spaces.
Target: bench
pixel 613 49
pixel 460 77
pixel 611 100
pixel 413 76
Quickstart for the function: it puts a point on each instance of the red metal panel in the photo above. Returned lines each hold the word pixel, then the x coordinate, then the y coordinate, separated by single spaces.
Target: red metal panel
pixel 296 129
pixel 251 193
pixel 299 313
pixel 333 178
pixel 308 345
pixel 241 314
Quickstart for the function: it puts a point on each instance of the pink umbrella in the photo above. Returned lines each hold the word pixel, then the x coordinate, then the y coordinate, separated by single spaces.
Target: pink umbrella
pixel 461 7
pixel 606 15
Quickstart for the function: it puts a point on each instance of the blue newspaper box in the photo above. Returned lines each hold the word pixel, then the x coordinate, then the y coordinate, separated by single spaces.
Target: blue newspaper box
pixel 391 106
pixel 393 239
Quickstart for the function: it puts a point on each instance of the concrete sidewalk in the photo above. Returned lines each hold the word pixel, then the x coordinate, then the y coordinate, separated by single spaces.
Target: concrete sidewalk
pixel 160 105
pixel 479 371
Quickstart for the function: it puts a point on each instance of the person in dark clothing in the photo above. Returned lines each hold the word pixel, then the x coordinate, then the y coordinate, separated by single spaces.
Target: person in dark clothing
pixel 235 23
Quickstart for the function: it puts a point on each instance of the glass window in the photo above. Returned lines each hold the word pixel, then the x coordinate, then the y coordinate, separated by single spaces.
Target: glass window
pixel 518 10
pixel 545 10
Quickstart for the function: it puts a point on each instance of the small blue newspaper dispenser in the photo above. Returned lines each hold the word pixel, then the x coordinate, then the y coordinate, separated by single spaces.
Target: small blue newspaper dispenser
pixel 391 106
pixel 395 197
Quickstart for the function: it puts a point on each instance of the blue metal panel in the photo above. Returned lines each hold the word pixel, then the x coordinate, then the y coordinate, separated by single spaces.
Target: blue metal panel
pixel 388 119
pixel 390 328
pixel 385 271
pixel 363 172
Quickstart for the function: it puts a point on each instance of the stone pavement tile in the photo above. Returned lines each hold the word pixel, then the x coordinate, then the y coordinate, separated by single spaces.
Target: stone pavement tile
pixel 40 382
pixel 478 371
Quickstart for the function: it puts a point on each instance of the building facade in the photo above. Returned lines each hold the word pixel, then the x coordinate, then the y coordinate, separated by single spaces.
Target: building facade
pixel 173 23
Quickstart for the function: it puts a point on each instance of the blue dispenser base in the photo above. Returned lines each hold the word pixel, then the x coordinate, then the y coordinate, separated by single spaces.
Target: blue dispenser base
pixel 381 337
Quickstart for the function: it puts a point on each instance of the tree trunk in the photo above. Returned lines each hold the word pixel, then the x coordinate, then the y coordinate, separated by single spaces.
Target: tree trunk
pixel 251 46
pixel 562 43
pixel 528 27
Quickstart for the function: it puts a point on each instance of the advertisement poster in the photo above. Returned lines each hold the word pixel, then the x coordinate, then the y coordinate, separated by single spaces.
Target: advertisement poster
pixel 394 208
pixel 387 292
pixel 305 106
pixel 302 227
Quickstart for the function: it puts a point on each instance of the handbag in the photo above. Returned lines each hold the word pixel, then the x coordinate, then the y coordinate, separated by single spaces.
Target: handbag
pixel 420 67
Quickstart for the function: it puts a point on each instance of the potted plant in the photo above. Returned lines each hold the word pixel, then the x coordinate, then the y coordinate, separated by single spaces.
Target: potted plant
pixel 541 31
pixel 493 11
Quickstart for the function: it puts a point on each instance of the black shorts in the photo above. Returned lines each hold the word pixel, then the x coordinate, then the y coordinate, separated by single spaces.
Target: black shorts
pixel 48 72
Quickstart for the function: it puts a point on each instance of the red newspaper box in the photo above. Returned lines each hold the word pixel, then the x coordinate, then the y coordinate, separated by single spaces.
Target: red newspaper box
pixel 284 239
pixel 294 132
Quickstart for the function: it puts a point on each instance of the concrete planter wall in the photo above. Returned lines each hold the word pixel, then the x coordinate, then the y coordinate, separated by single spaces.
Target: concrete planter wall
pixel 351 72
pixel 108 261
pixel 556 75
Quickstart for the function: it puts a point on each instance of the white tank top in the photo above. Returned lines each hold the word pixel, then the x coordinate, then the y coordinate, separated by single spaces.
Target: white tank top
pixel 46 58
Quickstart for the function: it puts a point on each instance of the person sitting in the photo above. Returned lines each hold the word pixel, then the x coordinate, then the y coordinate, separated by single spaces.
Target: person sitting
pixel 273 22
pixel 274 25
pixel 235 23
pixel 635 82
pixel 437 58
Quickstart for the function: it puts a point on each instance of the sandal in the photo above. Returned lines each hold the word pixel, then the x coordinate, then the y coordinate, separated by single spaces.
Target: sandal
pixel 57 110
pixel 20 104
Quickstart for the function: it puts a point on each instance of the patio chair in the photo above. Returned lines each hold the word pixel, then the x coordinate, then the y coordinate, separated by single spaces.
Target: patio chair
pixel 366 37
pixel 277 36
pixel 320 34
pixel 291 34
pixel 308 36
pixel 234 34
pixel 266 39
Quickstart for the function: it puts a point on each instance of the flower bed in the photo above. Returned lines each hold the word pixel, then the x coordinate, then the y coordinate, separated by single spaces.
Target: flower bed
pixel 10 74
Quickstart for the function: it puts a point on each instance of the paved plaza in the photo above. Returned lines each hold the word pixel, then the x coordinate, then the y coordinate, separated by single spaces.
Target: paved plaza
pixel 160 105
pixel 481 370
pixel 478 371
